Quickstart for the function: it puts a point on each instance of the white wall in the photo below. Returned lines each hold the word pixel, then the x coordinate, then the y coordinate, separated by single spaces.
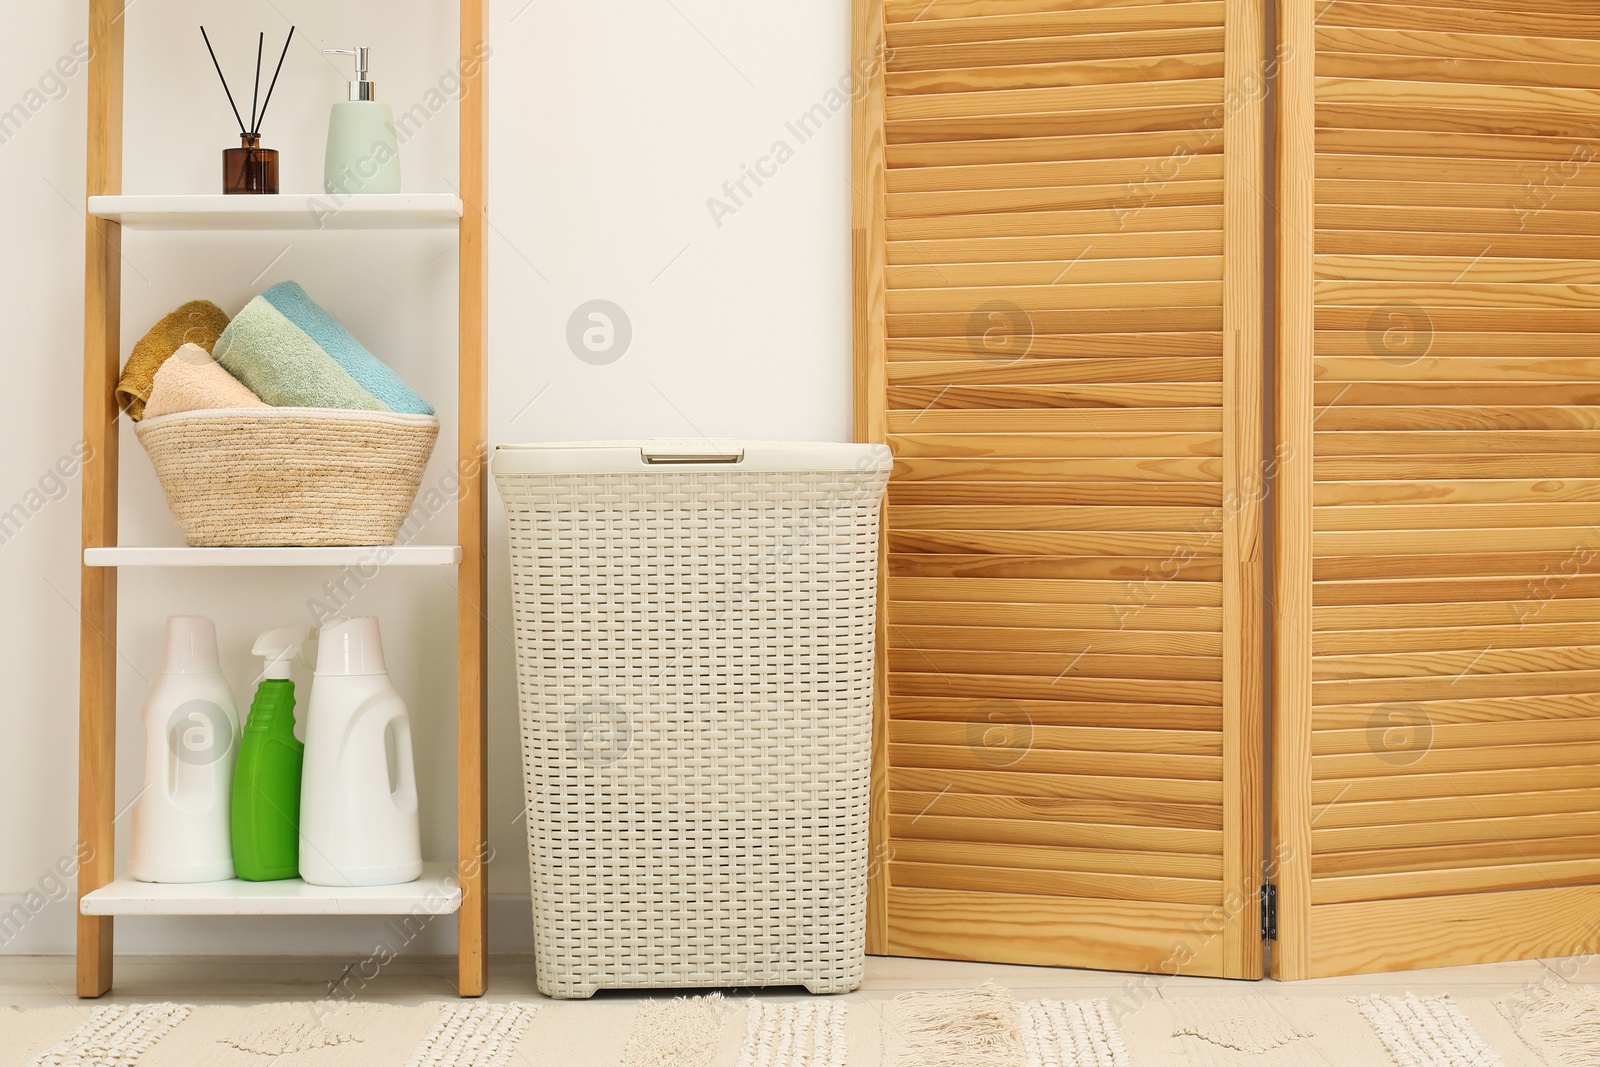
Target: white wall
pixel 613 124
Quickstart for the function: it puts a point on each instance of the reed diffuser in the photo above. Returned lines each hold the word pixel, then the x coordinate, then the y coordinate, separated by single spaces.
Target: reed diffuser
pixel 250 168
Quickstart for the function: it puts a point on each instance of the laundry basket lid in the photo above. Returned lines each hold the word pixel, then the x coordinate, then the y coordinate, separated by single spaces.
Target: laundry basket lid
pixel 687 454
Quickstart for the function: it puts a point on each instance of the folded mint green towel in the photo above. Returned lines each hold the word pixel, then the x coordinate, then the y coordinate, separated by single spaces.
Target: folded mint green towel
pixel 282 364
pixel 371 373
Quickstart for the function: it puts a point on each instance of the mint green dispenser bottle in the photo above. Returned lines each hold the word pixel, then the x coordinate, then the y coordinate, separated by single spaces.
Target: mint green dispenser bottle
pixel 363 155
pixel 266 783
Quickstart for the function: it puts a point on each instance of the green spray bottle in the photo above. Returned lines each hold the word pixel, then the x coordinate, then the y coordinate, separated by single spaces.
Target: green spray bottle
pixel 266 783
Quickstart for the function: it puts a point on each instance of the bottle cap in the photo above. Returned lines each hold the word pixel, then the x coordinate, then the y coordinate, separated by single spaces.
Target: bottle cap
pixel 191 645
pixel 350 646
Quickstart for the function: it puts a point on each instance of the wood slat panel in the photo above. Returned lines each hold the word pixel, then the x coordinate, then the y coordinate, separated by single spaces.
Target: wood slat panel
pixel 1462 880
pixel 1054 23
pixel 1121 200
pixel 1201 498
pixel 1055 857
pixel 1118 71
pixel 1444 43
pixel 1132 615
pixel 1129 569
pixel 1104 45
pixel 1203 797
pixel 1436 859
pixel 916 10
pixel 1454 832
pixel 1001 517
pixel 1069 362
pixel 1005 828
pixel 1533 604
pixel 1151 716
pixel 1469 735
pixel 1512 635
pixel 975 879
pixel 1048 297
pixel 1070 687
pixel 1144 93
pixel 1380 64
pixel 1015 723
pixel 1455 808
pixel 1537 567
pixel 1028 542
pixel 1053 347
pixel 1096 221
pixel 1035 929
pixel 1052 272
pixel 1454 930
pixel 1102 594
pixel 1352 765
pixel 1531 20
pixel 1037 148
pixel 1065 250
pixel 1067 813
pixel 1439 642
pixel 1079 662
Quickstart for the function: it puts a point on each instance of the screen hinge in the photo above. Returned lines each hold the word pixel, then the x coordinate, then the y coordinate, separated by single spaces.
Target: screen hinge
pixel 1269 912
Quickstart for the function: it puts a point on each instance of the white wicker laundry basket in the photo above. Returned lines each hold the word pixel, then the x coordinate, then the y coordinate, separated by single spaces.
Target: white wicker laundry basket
pixel 694 642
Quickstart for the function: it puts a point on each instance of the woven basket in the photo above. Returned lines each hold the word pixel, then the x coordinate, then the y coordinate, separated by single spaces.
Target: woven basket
pixel 694 657
pixel 237 477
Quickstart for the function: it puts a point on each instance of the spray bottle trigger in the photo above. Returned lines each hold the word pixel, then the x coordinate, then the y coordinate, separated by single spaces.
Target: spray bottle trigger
pixel 278 650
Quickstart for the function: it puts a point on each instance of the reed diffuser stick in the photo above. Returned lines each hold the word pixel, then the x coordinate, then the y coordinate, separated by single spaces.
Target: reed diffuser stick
pixel 255 93
pixel 274 84
pixel 225 88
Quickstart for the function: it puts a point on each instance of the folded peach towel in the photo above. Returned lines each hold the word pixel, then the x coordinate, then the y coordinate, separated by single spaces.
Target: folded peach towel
pixel 192 381
pixel 199 322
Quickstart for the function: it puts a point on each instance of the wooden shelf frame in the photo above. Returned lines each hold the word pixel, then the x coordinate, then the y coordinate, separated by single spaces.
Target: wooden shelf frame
pixel 97 697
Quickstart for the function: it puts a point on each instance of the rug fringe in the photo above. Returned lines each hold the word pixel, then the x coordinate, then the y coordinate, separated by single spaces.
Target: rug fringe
pixel 961 1027
pixel 676 1033
pixel 1559 1020
pixel 113 1036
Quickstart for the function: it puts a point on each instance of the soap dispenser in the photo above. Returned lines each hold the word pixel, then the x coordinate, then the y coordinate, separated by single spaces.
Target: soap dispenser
pixel 180 817
pixel 358 808
pixel 266 789
pixel 362 156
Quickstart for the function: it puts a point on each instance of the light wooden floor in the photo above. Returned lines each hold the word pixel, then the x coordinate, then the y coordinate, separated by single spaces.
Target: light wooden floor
pixel 46 981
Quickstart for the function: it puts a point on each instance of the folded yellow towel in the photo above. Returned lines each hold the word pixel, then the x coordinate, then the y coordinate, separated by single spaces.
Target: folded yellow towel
pixel 192 381
pixel 199 322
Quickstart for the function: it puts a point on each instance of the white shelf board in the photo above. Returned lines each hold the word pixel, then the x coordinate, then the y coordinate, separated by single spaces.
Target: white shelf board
pixel 286 211
pixel 332 556
pixel 436 893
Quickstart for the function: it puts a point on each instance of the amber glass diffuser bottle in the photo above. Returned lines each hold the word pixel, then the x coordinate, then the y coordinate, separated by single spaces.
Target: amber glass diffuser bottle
pixel 250 168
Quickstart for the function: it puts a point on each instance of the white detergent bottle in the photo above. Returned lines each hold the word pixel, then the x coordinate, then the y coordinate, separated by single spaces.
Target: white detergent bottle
pixel 358 799
pixel 180 829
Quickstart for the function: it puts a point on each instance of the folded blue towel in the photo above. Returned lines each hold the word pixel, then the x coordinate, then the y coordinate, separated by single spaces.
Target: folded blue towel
pixel 373 375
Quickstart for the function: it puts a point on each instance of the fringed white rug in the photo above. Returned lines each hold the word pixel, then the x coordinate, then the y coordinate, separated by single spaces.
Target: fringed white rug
pixel 1552 1026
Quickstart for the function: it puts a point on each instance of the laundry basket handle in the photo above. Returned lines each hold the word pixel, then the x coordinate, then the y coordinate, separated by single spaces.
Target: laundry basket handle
pixel 668 453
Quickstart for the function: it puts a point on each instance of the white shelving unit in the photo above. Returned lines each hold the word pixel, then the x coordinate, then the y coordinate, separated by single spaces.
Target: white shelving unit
pixel 356 556
pixel 435 893
pixel 458 888
pixel 285 211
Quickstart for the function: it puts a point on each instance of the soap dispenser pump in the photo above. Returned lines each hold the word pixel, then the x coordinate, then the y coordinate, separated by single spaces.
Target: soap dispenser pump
pixel 362 155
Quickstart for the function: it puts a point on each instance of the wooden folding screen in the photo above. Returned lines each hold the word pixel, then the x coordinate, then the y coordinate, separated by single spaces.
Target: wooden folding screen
pixel 1059 314
pixel 1437 728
